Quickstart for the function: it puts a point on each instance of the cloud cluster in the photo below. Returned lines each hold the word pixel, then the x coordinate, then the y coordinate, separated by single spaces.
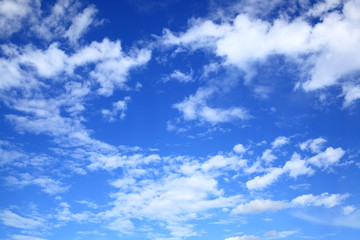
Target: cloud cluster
pixel 318 46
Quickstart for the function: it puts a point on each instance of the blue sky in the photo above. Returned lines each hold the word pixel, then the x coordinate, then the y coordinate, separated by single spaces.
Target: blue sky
pixel 167 120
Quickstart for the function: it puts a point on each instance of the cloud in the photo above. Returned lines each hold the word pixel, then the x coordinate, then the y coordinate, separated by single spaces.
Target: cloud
pixel 23 237
pixel 80 24
pixel 124 226
pixel 296 166
pixel 259 206
pixel 317 47
pixel 11 219
pixel 315 145
pixel 268 156
pixel 195 107
pixel 179 76
pixel 13 13
pixel 280 141
pixel 117 107
pixel 259 183
pixel 239 148
pixel 276 235
pixel 324 199
pixel 221 162
pixel 48 185
pixel 327 158
pixel 348 209
pixel 351 93
pixel 245 237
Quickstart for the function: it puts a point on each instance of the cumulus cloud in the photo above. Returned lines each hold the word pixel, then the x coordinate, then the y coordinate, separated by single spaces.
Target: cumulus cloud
pixel 179 76
pixel 195 107
pixel 259 183
pixel 323 199
pixel 273 234
pixel 13 12
pixel 259 206
pixel 48 185
pixel 327 158
pixel 280 141
pixel 315 145
pixel 244 237
pixel 23 237
pixel 348 209
pixel 268 156
pixel 118 108
pixel 319 47
pixel 239 148
pixel 296 166
pixel 11 219
pixel 80 24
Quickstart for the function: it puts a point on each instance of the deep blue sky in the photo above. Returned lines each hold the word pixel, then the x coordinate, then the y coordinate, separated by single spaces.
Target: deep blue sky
pixel 219 120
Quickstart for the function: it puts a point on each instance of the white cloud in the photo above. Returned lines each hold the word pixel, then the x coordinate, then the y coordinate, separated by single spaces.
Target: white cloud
pixel 276 235
pixel 12 14
pixel 259 183
pixel 88 204
pixel 296 166
pixel 179 76
pixel 268 156
pixel 322 7
pixel 348 209
pixel 315 145
pixel 327 158
pixel 351 93
pixel 245 237
pixel 221 162
pixel 23 237
pixel 48 185
pixel 239 148
pixel 319 49
pixel 81 23
pixel 323 199
pixel 259 206
pixel 195 107
pixel 121 225
pixel 117 107
pixel 11 219
pixel 280 141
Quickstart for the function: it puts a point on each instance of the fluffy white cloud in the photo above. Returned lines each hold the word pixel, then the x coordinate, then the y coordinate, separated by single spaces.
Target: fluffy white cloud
pixel 351 93
pixel 259 183
pixel 323 199
pixel 23 237
pixel 239 148
pixel 13 12
pixel 48 185
pixel 179 76
pixel 315 145
pixel 280 141
pixel 259 206
pixel 268 156
pixel 276 235
pixel 196 107
pixel 81 23
pixel 319 47
pixel 121 225
pixel 296 166
pixel 245 237
pixel 348 209
pixel 327 158
pixel 221 162
pixel 117 107
pixel 11 219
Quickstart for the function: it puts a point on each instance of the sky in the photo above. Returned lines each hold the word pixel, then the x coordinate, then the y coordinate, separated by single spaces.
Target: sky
pixel 171 120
